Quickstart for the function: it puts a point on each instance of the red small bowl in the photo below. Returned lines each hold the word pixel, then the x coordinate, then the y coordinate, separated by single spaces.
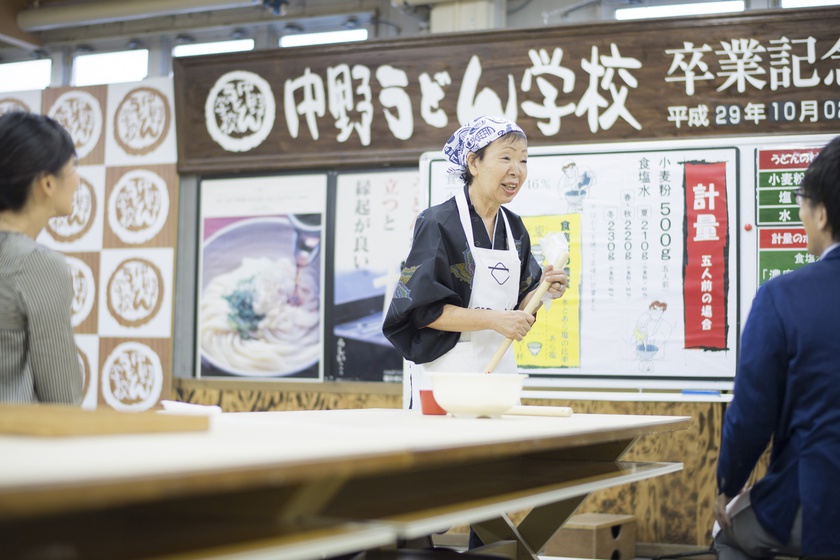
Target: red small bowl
pixel 428 404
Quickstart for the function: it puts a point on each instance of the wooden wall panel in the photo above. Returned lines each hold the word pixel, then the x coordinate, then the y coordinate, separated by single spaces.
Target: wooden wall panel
pixel 675 508
pixel 239 399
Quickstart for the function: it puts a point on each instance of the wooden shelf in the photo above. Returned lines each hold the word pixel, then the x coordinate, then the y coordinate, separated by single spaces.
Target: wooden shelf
pixel 426 502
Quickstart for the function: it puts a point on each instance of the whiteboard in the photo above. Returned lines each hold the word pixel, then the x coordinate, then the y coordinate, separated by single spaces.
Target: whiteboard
pixel 666 239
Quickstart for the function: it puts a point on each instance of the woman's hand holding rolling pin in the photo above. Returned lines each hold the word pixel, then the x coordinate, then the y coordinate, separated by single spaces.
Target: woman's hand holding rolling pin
pixel 513 324
pixel 559 281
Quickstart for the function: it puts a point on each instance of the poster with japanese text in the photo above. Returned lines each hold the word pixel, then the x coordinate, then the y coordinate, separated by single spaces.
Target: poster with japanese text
pixel 374 223
pixel 653 259
pixel 554 340
pixel 782 241
pixel 260 303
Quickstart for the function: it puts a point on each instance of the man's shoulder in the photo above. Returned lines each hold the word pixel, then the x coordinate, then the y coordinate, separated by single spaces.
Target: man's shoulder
pixel 805 282
pixel 815 269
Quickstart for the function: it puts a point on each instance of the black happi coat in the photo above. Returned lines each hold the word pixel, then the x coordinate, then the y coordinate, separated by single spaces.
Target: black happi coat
pixel 439 270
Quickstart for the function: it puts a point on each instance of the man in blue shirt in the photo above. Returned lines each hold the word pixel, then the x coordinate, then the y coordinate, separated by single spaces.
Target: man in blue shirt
pixel 788 386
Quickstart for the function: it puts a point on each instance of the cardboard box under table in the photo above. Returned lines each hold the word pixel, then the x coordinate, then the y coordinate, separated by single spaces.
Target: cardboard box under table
pixel 595 535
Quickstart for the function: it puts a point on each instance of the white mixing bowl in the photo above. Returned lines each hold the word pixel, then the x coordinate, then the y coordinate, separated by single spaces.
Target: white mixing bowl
pixel 474 395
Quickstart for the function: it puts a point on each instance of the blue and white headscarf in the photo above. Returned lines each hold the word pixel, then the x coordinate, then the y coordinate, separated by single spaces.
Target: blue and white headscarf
pixel 473 136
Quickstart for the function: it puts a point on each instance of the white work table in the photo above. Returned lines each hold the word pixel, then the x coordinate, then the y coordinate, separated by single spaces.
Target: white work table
pixel 307 484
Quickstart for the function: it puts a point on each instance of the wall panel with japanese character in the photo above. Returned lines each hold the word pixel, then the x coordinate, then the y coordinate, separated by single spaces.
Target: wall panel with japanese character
pixel 120 239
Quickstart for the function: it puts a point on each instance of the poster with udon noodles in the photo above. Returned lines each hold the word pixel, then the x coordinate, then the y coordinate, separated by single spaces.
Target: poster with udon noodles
pixel 375 214
pixel 260 308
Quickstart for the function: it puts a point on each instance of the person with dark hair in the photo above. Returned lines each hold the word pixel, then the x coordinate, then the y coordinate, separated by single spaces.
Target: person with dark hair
pixel 787 387
pixel 470 273
pixel 38 180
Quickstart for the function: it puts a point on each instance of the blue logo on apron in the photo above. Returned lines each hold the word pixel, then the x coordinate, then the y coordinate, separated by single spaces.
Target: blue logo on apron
pixel 500 273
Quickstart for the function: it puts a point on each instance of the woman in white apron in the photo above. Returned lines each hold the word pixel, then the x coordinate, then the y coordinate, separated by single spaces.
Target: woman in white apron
pixel 470 271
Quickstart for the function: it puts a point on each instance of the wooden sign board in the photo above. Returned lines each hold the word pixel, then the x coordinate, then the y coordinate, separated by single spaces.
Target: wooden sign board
pixel 383 103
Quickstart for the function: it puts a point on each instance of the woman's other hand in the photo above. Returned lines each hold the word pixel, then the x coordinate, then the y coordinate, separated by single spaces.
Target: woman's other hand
pixel 559 281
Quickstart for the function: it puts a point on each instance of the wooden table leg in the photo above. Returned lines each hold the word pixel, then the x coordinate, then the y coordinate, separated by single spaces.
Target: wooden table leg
pixel 502 529
pixel 535 530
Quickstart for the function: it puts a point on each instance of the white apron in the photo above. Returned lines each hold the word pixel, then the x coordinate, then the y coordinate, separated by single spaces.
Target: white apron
pixel 495 285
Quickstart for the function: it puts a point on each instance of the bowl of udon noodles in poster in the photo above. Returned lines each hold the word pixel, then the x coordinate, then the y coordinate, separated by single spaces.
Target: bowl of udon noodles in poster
pixel 259 310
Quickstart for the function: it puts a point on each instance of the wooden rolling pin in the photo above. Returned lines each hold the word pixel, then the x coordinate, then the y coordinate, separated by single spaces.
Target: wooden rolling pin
pixel 530 308
pixel 540 411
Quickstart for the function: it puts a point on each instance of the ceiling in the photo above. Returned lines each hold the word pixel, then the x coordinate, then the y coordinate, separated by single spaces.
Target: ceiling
pixel 29 25
pixel 34 28
pixel 9 31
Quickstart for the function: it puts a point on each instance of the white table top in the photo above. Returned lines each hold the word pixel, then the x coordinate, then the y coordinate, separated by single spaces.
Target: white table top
pixel 237 440
pixel 250 450
pixel 298 457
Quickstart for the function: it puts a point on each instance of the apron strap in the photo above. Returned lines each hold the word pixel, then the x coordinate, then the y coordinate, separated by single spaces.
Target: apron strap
pixel 466 223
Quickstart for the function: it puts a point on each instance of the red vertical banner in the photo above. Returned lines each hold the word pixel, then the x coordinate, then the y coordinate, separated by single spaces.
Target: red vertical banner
pixel 706 250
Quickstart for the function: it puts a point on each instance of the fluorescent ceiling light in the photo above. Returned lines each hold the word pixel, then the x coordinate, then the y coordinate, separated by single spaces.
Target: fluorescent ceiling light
pixel 110 68
pixel 330 37
pixel 808 3
pixel 674 10
pixel 23 76
pixel 217 47
pixel 70 14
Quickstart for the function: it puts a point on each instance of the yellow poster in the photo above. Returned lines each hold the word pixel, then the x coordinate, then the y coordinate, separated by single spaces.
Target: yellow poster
pixel 554 340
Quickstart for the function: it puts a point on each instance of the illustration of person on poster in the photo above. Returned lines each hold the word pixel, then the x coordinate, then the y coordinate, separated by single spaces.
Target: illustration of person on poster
pixel 651 334
pixel 576 185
